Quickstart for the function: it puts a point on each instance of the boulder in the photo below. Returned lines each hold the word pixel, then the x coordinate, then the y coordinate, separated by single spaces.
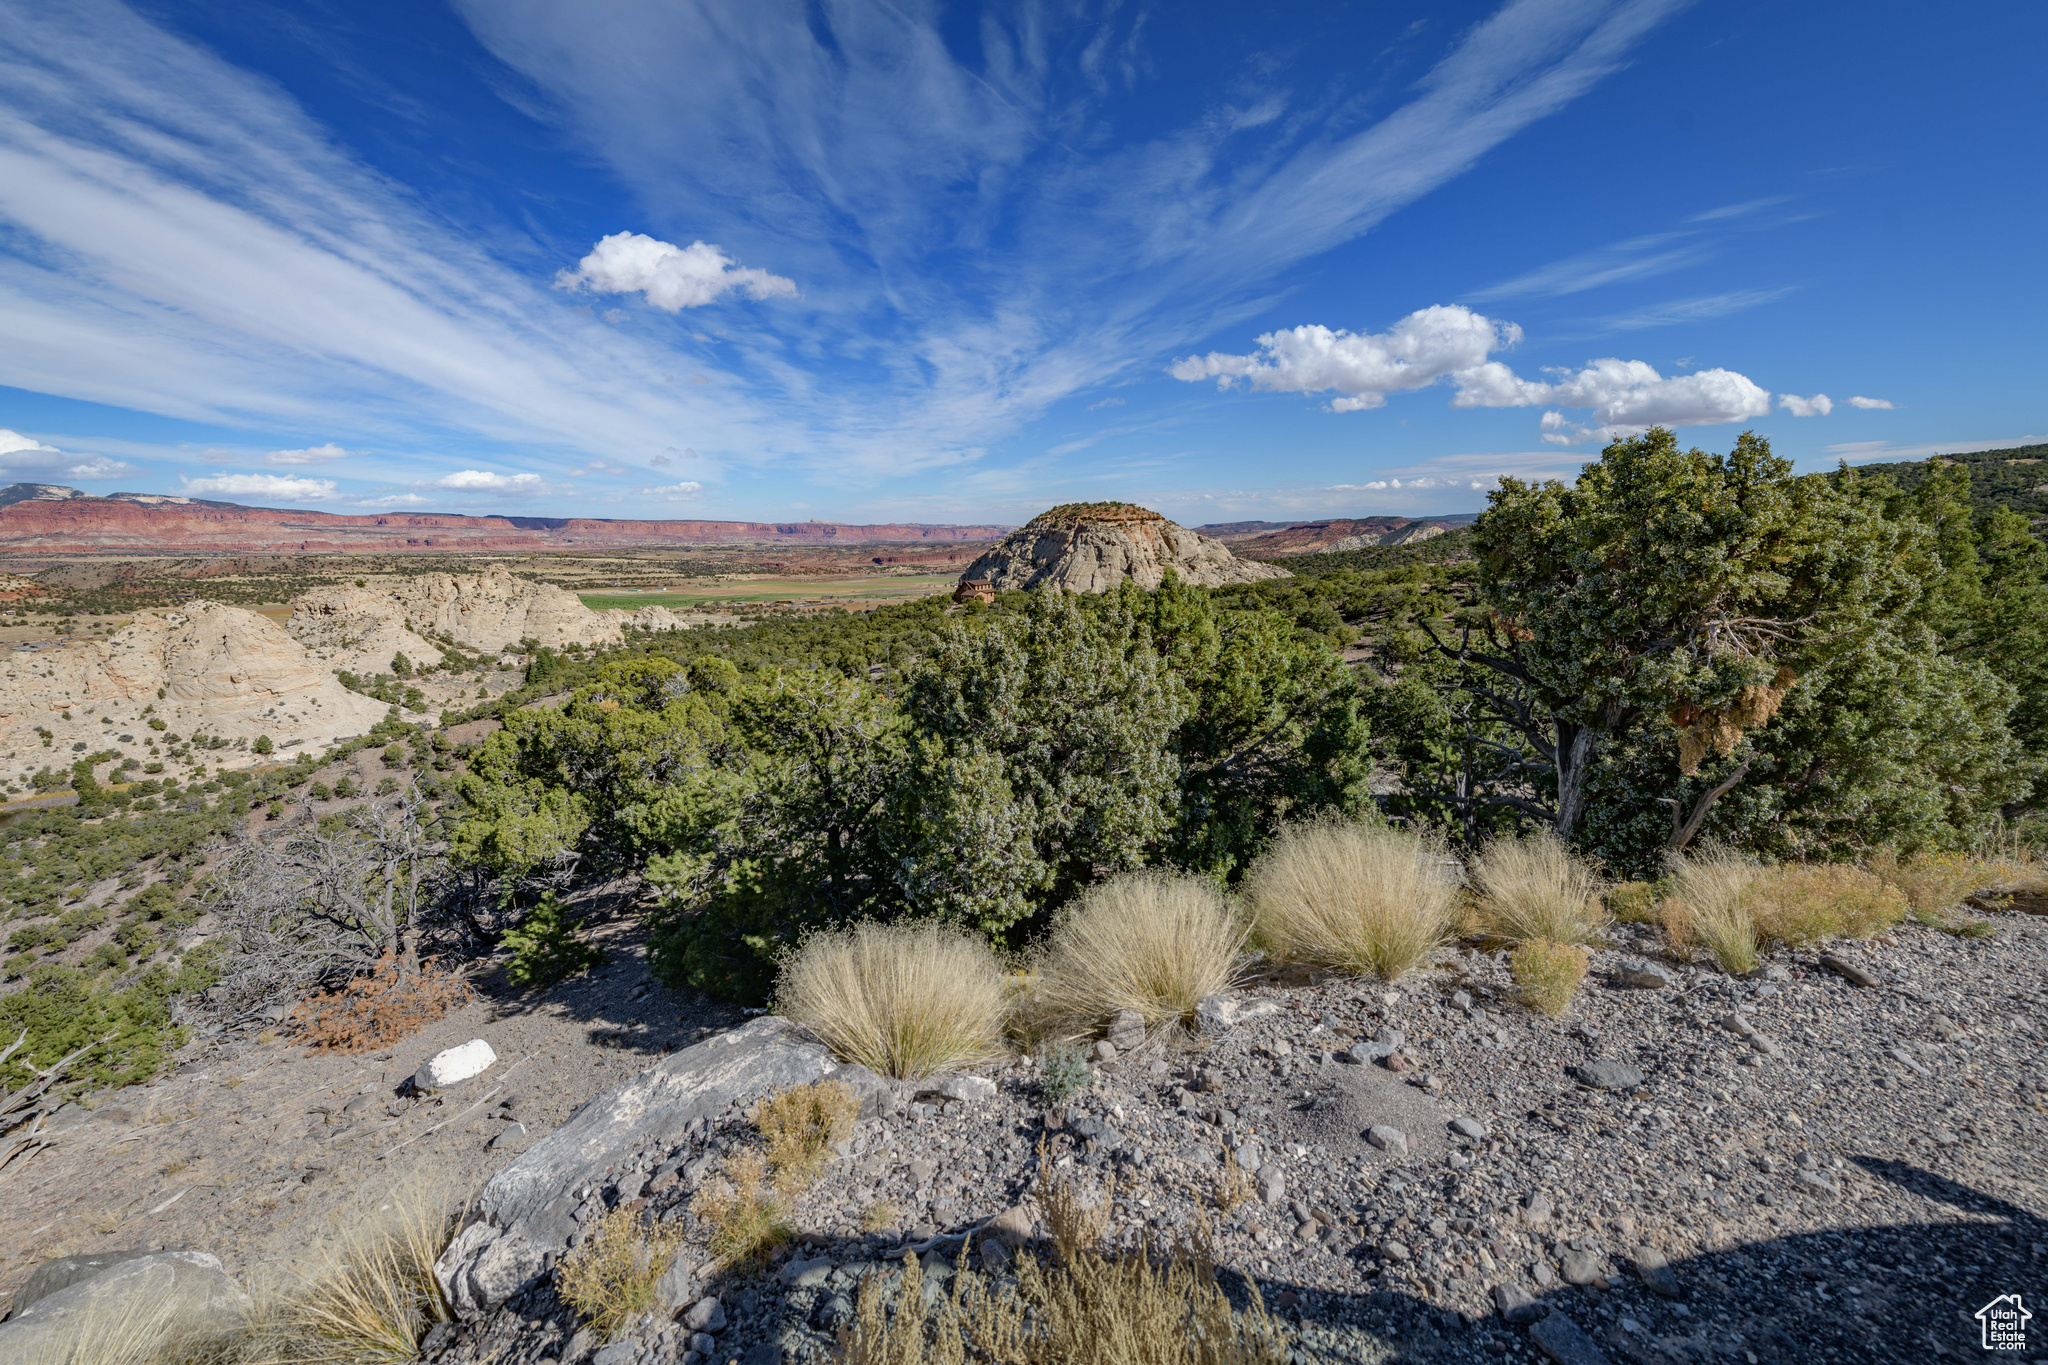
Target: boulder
pixel 1643 976
pixel 65 1271
pixel 528 1207
pixel 965 1089
pixel 128 1302
pixel 453 1066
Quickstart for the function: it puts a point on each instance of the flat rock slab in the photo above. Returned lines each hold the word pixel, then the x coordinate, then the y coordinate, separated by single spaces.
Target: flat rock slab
pixel 183 1288
pixel 1607 1075
pixel 1559 1338
pixel 65 1271
pixel 527 1209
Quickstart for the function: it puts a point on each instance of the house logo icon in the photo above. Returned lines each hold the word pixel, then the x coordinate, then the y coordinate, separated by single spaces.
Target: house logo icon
pixel 2004 1320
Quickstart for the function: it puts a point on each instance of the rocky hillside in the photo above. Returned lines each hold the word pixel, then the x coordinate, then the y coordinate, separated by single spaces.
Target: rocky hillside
pixel 1092 547
pixel 360 629
pixel 49 518
pixel 1342 533
pixel 204 668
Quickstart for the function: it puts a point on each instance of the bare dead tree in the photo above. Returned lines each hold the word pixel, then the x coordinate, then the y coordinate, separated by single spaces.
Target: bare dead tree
pixel 22 1110
pixel 324 902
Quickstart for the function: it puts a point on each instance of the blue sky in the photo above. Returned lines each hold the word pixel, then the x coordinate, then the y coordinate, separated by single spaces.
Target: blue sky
pixel 866 261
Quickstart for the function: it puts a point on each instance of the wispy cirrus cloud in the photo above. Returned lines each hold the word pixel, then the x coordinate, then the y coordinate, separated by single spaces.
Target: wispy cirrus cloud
pixel 194 245
pixel 848 144
pixel 1680 311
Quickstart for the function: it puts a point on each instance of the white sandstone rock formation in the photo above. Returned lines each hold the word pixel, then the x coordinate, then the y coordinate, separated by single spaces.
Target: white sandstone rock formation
pixel 201 668
pixel 357 630
pixel 1092 547
pixel 488 612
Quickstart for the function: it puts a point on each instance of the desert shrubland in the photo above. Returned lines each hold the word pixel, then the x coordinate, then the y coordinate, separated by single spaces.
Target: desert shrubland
pixel 1362 898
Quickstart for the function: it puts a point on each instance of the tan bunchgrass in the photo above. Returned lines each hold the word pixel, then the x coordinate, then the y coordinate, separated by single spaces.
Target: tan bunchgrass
pixel 1797 904
pixel 1360 898
pixel 159 1332
pixel 1537 888
pixel 1547 974
pixel 1146 941
pixel 903 1000
pixel 1709 908
pixel 799 1126
pixel 614 1276
pixel 1154 1304
pixel 370 1295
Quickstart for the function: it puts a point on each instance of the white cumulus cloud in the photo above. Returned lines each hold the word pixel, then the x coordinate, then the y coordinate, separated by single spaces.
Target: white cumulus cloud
pixel 31 460
pixel 672 277
pixel 310 455
pixel 484 481
pixel 1820 405
pixel 1362 367
pixel 260 486
pixel 675 492
pixel 1452 343
pixel 1884 404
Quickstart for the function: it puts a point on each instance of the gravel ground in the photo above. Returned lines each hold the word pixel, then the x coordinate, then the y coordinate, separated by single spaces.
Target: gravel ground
pixel 1783 1168
pixel 256 1151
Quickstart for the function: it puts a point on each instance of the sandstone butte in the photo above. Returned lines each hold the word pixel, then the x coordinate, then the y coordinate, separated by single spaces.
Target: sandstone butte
pixel 51 519
pixel 1093 547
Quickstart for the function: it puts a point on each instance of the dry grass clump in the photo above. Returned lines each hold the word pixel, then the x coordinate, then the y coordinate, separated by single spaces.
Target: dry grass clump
pixel 160 1333
pixel 1709 908
pixel 1151 942
pixel 1366 899
pixel 1154 1305
pixel 1796 904
pixel 800 1125
pixel 370 1296
pixel 903 1000
pixel 1632 902
pixel 379 1009
pixel 1547 973
pixel 615 1274
pixel 749 1218
pixel 1537 888
pixel 1938 882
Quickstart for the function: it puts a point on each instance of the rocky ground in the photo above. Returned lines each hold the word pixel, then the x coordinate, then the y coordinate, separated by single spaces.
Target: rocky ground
pixel 1786 1168
pixel 256 1151
pixel 1791 1167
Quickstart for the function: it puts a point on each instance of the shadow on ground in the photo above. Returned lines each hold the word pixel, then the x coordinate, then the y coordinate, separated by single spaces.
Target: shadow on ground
pixel 1903 1293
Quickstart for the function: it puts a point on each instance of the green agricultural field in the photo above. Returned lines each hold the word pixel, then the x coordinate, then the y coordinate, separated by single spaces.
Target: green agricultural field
pixel 859 588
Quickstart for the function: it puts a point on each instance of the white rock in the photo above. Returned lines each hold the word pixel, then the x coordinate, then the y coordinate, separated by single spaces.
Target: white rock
pixel 454 1066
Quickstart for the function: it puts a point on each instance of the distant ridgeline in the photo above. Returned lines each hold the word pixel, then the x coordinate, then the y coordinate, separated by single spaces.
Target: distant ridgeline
pixel 2016 477
pixel 1448 548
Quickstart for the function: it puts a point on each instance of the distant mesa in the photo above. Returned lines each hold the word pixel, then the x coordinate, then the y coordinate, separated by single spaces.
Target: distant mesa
pixel 1095 546
pixel 43 518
